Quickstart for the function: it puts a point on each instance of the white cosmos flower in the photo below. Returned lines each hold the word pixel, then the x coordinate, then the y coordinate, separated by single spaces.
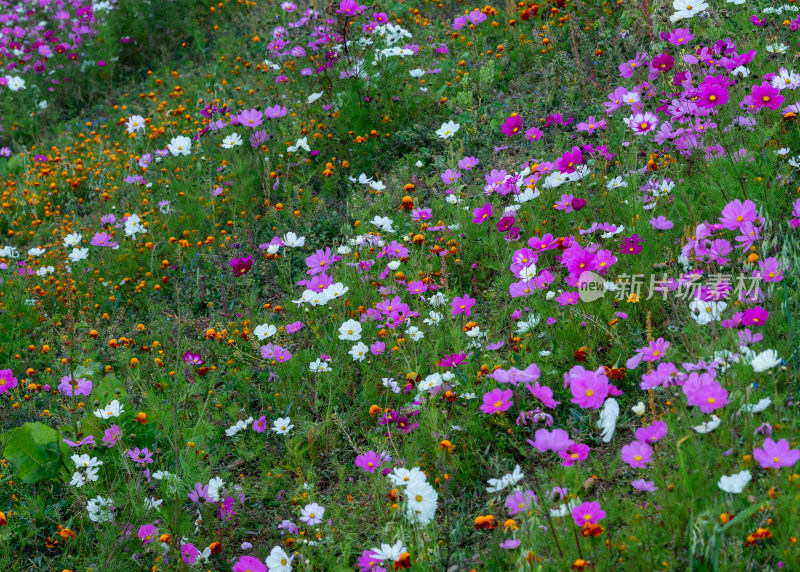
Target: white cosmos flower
pixel 734 484
pixel 335 291
pixel 282 425
pixel 15 83
pixel 708 426
pixel 315 96
pixel 421 501
pixel 401 477
pixel 135 123
pixel 302 143
pixel 616 183
pixel 390 384
pixel 765 360
pixel 72 239
pixel 231 141
pixel 85 461
pixel 687 9
pixel 291 240
pixel 78 254
pixel 757 407
pixel 80 478
pixel 414 333
pixel 319 366
pixel 359 351
pixel 265 331
pixel 215 486
pixel 113 409
pixel 180 145
pixel 279 561
pixel 350 330
pixel 234 429
pixel 497 485
pixel 707 312
pixel 430 382
pixel 389 552
pixel 447 130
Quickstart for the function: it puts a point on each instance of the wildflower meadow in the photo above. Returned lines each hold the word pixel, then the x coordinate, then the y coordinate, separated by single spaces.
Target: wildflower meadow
pixel 399 285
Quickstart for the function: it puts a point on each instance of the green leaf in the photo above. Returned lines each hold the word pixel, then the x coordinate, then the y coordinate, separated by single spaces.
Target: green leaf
pixel 35 451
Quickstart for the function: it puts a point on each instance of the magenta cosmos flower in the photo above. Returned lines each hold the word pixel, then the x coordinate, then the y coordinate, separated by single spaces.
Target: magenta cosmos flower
pixel 587 513
pixel 497 401
pixel 349 8
pixel 772 455
pixel 147 533
pixel 481 214
pixel 241 266
pixel 7 381
pixel 512 125
pixel 589 388
pixel 249 564
pixel 462 305
pixel 637 454
pixel 369 461
pixel 569 161
pixel 765 95
pixel 189 553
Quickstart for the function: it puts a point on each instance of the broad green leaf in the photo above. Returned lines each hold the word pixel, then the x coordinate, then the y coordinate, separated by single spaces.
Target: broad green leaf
pixel 35 451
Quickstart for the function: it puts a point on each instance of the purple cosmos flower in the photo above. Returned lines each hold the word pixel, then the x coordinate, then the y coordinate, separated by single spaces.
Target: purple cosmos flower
pixel 772 455
pixel 587 513
pixel 71 388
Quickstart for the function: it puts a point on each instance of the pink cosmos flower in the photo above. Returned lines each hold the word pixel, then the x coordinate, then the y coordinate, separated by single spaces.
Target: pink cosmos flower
pixel 543 394
pixel 589 388
pixel 703 391
pixel 637 454
pixel 644 486
pixel 652 433
pixel 654 351
pixel 573 454
pixel 515 376
pixel 555 440
pixel 497 401
pixel 772 455
pixel 587 513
